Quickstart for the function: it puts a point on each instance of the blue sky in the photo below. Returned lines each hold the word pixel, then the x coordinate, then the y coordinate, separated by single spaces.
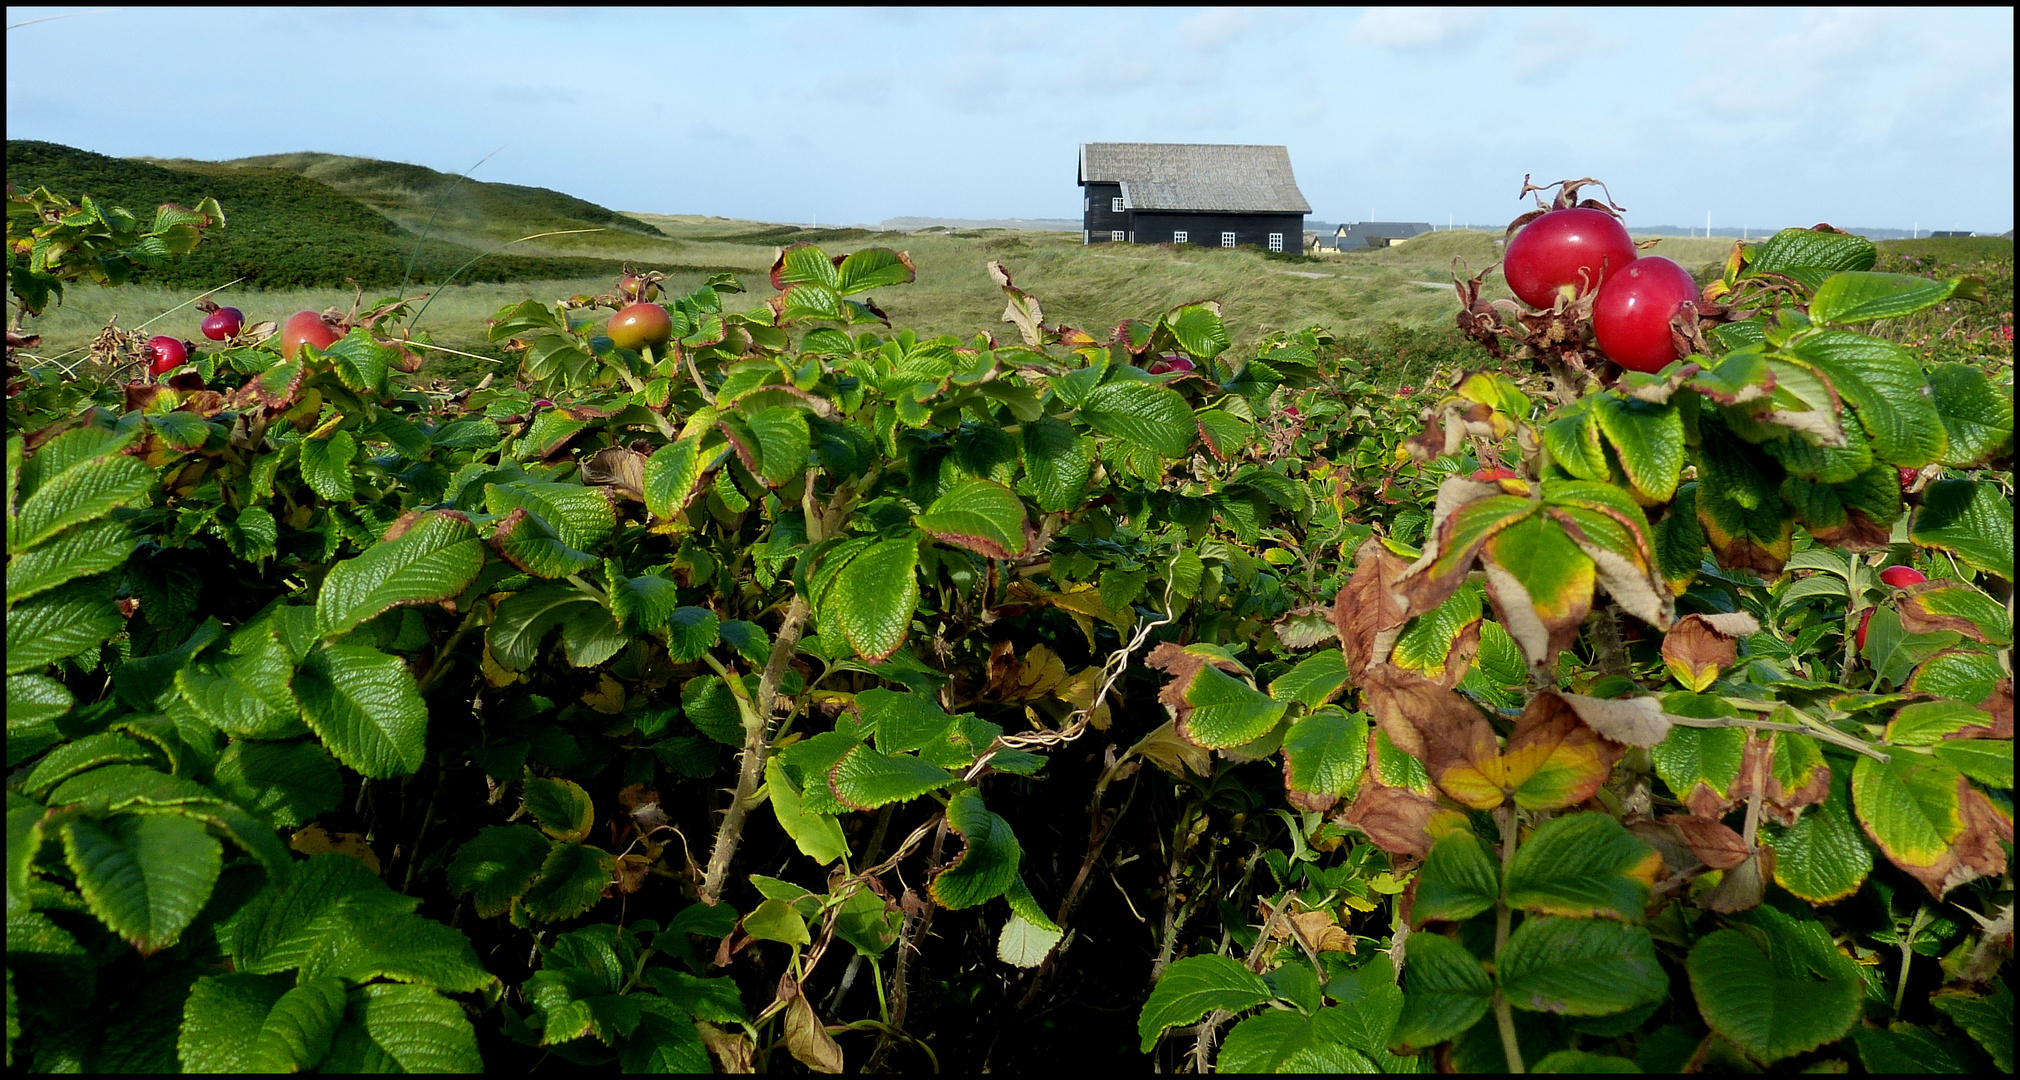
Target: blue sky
pixel 1766 118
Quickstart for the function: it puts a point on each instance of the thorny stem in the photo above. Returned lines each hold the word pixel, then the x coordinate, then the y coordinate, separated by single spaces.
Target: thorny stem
pixel 907 945
pixel 757 740
pixel 1180 848
pixel 1606 640
pixel 1504 1017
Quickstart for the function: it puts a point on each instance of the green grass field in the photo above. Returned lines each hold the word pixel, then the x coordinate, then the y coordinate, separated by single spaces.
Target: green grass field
pixel 300 223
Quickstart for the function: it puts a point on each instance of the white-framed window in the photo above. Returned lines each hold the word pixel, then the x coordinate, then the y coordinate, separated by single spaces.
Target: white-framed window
pixel 1115 205
pixel 1276 241
pixel 1178 236
pixel 1118 236
pixel 1227 239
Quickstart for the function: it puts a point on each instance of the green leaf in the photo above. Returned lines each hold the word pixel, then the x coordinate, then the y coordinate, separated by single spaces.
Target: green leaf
pixel 1988 1019
pixel 1058 463
pixel 1911 806
pixel 1823 857
pixel 1580 1061
pixel 875 595
pixel 988 862
pixel 663 1044
pixel 1863 296
pixel 1698 764
pixel 981 515
pixel 63 622
pixel 1972 521
pixel 674 472
pixel 1427 641
pixel 1325 754
pixel 245 691
pixel 1445 991
pixel 713 1000
pixel 222 1021
pixel 873 268
pixel 85 491
pixel 1925 723
pixel 775 920
pixel 525 618
pixel 1196 328
pixel 1194 986
pixel 326 466
pixel 783 443
pixel 365 707
pixel 1458 880
pixel 89 752
pixel 1777 992
pixel 1907 1048
pixel 1153 417
pixel 572 880
pixel 435 560
pixel 1372 1002
pixel 1584 865
pixel 497 866
pixel 1580 967
pixel 1648 438
pixel 295 1034
pixel 404 1029
pixel 1739 508
pixel 865 779
pixel 1227 711
pixel 818 836
pixel 1988 761
pixel 561 808
pixel 581 517
pixel 530 544
pixel 286 784
pixel 1282 1041
pixel 144 875
pixel 77 552
pixel 1314 681
pixel 1885 384
pixel 1810 255
pixel 1976 415
pixel 360 363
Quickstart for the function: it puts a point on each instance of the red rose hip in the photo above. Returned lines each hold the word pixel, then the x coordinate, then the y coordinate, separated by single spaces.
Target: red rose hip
pixel 306 327
pixel 1631 315
pixel 1575 246
pixel 641 325
pixel 1900 577
pixel 166 354
pixel 223 324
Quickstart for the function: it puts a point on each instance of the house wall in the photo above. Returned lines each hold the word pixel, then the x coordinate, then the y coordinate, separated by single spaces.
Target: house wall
pixel 1156 227
pixel 1097 218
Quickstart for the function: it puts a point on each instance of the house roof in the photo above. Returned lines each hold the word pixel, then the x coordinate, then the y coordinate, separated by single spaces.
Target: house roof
pixel 1194 176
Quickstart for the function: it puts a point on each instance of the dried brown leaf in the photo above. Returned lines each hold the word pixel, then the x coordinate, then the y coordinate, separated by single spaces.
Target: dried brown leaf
pixel 1367 616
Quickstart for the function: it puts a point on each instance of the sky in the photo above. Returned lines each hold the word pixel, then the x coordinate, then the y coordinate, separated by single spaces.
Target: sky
pixel 1866 117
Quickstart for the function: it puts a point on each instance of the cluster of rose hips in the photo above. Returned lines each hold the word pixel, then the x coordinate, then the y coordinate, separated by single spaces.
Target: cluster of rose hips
pixel 1580 248
pixel 165 353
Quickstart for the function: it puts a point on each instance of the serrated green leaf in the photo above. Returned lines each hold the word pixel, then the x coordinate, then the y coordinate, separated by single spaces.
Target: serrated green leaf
pixel 663 1044
pixel 1885 385
pixel 80 551
pixel 89 752
pixel 1822 857
pixel 989 856
pixel 63 622
pixel 222 1020
pixel 1976 415
pixel 360 363
pixel 365 707
pixel 1226 711
pixel 146 876
pixel 1458 880
pixel 1972 521
pixel 1988 761
pixel 875 596
pixel 286 784
pixel 1925 723
pixel 530 544
pixel 1058 462
pixel 674 472
pixel 981 515
pixel 86 491
pixel 1193 986
pixel 1863 296
pixel 245 691
pixel 818 836
pixel 434 560
pixel 1314 681
pixel 572 880
pixel 1648 439
pixel 404 1029
pixel 1580 967
pixel 775 920
pixel 1988 1019
pixel 1281 1041
pixel 581 517
pixel 1196 328
pixel 1325 755
pixel 525 618
pixel 865 779
pixel 1699 764
pixel 497 866
pixel 1445 991
pixel 1153 417
pixel 1810 255
pixel 326 466
pixel 1777 995
pixel 1584 865
pixel 783 443
pixel 295 1034
pixel 561 808
pixel 1580 1061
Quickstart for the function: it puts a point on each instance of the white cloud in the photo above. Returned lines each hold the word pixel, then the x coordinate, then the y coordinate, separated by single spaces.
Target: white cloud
pixel 1221 26
pixel 1414 28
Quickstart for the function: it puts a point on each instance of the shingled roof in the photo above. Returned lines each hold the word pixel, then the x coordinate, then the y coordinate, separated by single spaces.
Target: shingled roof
pixel 1193 176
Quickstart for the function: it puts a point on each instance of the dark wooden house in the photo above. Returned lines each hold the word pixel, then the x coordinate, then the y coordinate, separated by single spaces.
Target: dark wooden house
pixel 1188 193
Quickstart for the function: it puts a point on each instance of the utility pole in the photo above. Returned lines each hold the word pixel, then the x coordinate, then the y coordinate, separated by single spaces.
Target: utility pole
pixel 1707 224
